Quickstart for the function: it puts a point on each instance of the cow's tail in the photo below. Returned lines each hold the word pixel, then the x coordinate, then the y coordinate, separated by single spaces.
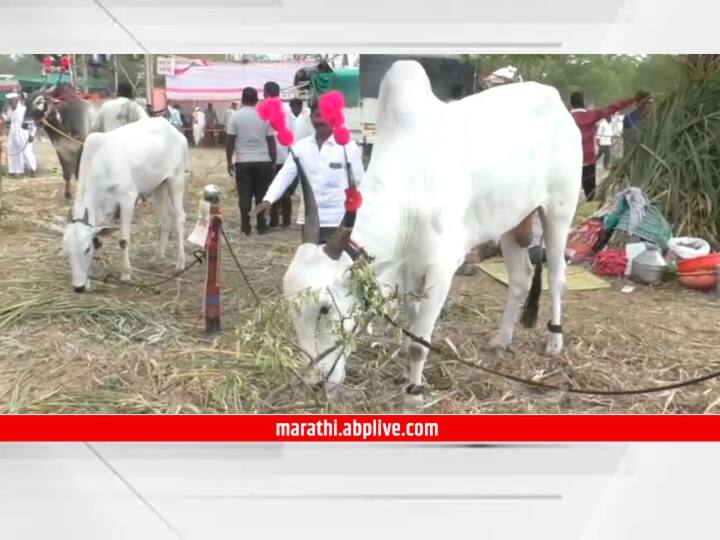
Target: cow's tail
pixel 532 303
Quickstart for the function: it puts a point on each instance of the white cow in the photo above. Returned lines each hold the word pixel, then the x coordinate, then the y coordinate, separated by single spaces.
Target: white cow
pixel 141 159
pixel 444 178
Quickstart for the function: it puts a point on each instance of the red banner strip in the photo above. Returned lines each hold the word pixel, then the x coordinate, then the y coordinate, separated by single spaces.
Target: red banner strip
pixel 348 428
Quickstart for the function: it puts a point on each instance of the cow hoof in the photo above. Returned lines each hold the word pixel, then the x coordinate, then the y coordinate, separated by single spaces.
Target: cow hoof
pixel 412 403
pixel 554 344
pixel 499 344
pixel 125 277
pixel 68 195
pixel 413 398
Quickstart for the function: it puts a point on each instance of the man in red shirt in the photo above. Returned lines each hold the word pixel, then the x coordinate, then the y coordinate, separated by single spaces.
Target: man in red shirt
pixel 587 121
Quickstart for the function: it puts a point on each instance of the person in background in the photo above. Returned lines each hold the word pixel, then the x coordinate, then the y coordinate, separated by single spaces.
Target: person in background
pixel 251 153
pixel 604 140
pixel 226 120
pixel 198 124
pixel 284 204
pixel 229 112
pixel 211 121
pixel 323 160
pixel 120 111
pixel 302 124
pixel 634 120
pixel 174 117
pixel 21 138
pixel 587 120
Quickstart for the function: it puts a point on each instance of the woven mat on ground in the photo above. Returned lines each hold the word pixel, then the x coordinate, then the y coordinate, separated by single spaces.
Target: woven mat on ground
pixel 579 278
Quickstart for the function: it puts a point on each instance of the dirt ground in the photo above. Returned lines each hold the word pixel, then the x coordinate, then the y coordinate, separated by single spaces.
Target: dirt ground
pixel 130 349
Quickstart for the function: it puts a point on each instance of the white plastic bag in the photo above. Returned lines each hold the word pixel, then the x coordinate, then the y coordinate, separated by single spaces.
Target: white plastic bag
pixel 687 247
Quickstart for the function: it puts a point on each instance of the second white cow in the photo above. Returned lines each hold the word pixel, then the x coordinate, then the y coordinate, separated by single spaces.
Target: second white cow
pixel 147 158
pixel 444 178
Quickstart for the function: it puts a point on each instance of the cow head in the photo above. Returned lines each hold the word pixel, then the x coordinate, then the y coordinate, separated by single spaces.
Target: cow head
pixel 317 283
pixel 80 242
pixel 44 104
pixel 38 105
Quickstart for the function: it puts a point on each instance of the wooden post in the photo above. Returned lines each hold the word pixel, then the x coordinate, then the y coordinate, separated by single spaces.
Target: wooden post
pixel 212 252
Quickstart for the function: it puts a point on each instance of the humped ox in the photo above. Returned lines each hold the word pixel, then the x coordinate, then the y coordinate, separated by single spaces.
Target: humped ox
pixel 147 158
pixel 444 178
pixel 67 120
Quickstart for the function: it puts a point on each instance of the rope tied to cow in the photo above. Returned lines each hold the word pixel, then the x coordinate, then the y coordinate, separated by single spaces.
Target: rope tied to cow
pixel 551 387
pixel 198 258
pixel 47 124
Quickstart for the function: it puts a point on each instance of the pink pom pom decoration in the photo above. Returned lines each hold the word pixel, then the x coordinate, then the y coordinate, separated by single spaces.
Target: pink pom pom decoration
pixel 270 108
pixel 285 137
pixel 278 124
pixel 342 135
pixel 331 105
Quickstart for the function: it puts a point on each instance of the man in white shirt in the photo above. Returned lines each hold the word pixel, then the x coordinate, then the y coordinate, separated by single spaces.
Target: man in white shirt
pixel 21 138
pixel 174 117
pixel 228 113
pixel 323 161
pixel 251 154
pixel 198 123
pixel 604 140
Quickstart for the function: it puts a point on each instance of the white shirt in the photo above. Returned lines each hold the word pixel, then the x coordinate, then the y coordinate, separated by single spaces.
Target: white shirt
pixel 282 151
pixel 228 114
pixel 303 125
pixel 199 118
pixel 175 118
pixel 604 133
pixel 326 172
pixel 117 112
pixel 17 136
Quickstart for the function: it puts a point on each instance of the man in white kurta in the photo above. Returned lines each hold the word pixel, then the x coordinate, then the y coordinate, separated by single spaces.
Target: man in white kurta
pixel 21 140
pixel 323 161
pixel 118 112
pixel 198 118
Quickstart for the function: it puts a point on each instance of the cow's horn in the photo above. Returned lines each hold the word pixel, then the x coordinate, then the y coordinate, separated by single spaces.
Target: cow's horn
pixel 339 241
pixel 86 217
pixel 311 228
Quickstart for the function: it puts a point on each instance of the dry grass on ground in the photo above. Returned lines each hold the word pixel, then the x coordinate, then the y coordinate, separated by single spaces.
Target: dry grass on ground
pixel 128 350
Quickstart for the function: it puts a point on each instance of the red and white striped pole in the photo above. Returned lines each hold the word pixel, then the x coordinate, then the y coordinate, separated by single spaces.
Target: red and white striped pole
pixel 212 257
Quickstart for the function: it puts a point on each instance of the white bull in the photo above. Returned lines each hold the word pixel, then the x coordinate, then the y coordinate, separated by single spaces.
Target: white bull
pixel 444 178
pixel 142 159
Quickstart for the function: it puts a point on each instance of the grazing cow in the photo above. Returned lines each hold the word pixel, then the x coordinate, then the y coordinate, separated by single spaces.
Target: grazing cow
pixel 67 120
pixel 444 178
pixel 142 159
